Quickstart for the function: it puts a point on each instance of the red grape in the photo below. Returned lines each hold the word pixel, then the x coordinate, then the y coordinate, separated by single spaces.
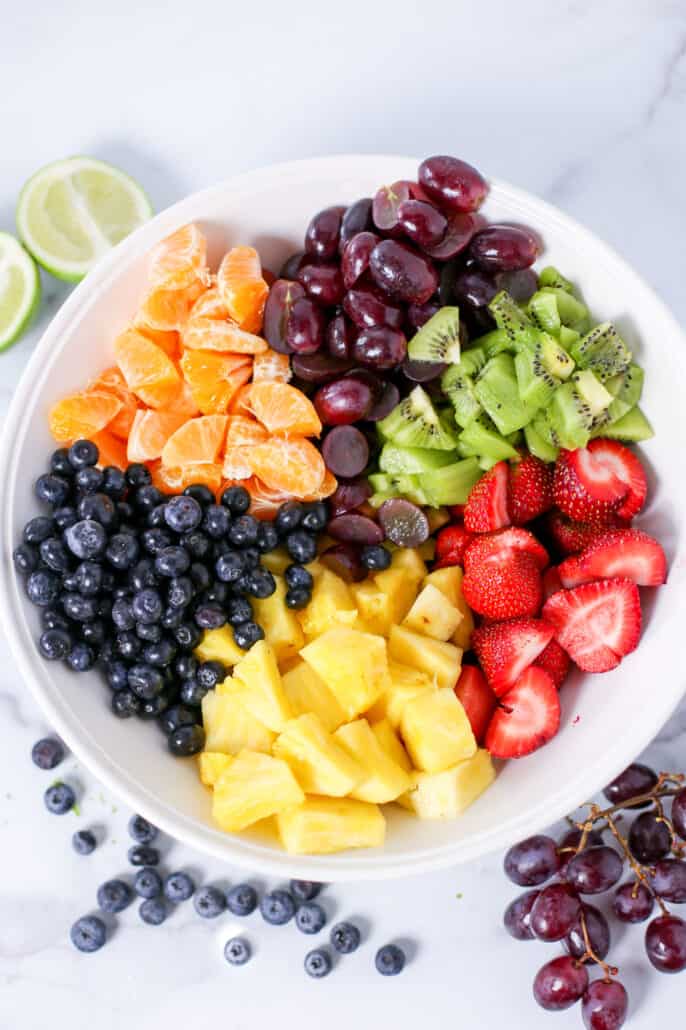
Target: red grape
pixel 516 918
pixel 679 813
pixel 356 218
pixel 349 494
pixel 403 522
pixel 319 368
pixel 419 220
pixel 380 347
pixel 282 296
pixel 291 266
pixel 532 861
pixel 388 400
pixel 598 934
pixel 452 183
pixel 340 336
pixel 555 912
pixel 669 880
pixel 305 329
pixel 321 237
pixel 323 282
pixel 649 838
pixel 355 529
pixel 386 202
pixel 344 560
pixel 474 288
pixel 520 284
pixel 594 870
pixel 368 307
pixel 635 779
pixel 604 1005
pixel 403 273
pixel 355 258
pixel 560 983
pixel 419 314
pixel 503 248
pixel 344 401
pixel 346 452
pixel 665 944
pixel 422 371
pixel 570 842
pixel 632 903
pixel 460 230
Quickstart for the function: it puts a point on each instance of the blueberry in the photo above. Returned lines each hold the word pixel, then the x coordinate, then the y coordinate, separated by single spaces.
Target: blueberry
pixel 188 635
pixel 81 658
pixel 150 632
pixel 117 675
pixel 122 614
pixel 59 798
pixel 230 567
pixel 210 616
pixel 186 741
pixel 209 902
pixel 138 475
pixel 146 498
pixel 172 561
pixel 54 619
pixel 154 519
pixel 122 551
pixel 316 517
pixel 216 521
pixel 113 482
pixel 175 717
pixel 86 539
pixel 216 593
pixel 236 499
pixel 298 576
pixel 251 557
pixel 79 608
pixel 318 963
pixel 154 708
pixel 82 454
pixel 345 938
pixel 145 681
pixel 142 831
pixel 305 890
pixel 93 633
pixel 88 578
pixel 375 558
pixel 211 673
pixel 201 493
pixel 390 960
pixel 124 511
pixel 247 634
pixel 183 514
pixel 147 606
pixel 180 592
pixel 114 896
pixel 65 517
pixel 100 508
pixel 47 753
pixel 42 587
pixel 143 854
pixel 267 538
pixel 298 597
pixel 244 531
pixel 239 610
pixel 127 645
pixel 55 644
pixel 237 951
pixel 178 887
pixel 172 618
pixel 196 543
pixel 25 558
pixel 125 703
pixel 260 583
pixel 155 540
pixel 242 900
pixel 288 517
pixel 153 911
pixel 200 576
pixel 186 666
pixel 52 490
pixel 143 575
pixel 60 464
pixel 310 917
pixel 161 653
pixel 277 907
pixel 192 693
pixel 55 555
pixel 89 480
pixel 88 934
pixel 83 842
pixel 38 529
pixel 301 546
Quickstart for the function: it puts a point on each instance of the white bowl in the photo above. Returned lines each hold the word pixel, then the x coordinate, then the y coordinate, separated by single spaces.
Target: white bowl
pixel 606 720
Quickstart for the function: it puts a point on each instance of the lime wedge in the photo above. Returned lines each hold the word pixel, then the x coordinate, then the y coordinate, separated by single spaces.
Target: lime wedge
pixel 19 289
pixel 72 212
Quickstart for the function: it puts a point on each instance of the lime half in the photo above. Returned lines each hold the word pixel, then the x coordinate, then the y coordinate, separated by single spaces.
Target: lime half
pixel 19 289
pixel 72 212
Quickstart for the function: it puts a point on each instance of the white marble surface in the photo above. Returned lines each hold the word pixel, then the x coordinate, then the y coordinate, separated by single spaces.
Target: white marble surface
pixel 581 102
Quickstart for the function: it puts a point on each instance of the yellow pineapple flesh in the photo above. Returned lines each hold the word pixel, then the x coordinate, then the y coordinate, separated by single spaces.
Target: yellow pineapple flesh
pixel 445 795
pixel 433 615
pixel 276 561
pixel 218 645
pixel 258 686
pixel 384 780
pixel 229 726
pixel 377 609
pixel 321 826
pixel 282 631
pixel 400 590
pixel 353 665
pixel 409 560
pixel 449 582
pixel 316 758
pixel 307 692
pixel 252 787
pixel 211 764
pixel 391 743
pixel 436 731
pixel 440 660
pixel 404 683
pixel 331 605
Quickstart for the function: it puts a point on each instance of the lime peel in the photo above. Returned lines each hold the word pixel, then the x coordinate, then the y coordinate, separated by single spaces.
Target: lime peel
pixel 19 290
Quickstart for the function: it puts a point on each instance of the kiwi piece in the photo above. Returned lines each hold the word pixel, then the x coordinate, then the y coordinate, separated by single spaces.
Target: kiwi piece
pixel 481 438
pixel 592 391
pixel 511 319
pixel 438 339
pixel 473 360
pixel 544 428
pixel 538 445
pixel 631 428
pixel 603 351
pixel 543 311
pixel 567 337
pixel 415 423
pixel 570 417
pixel 451 484
pixel 550 276
pixel 495 342
pixel 572 312
pixel 497 391
pixel 404 460
pixel 626 390
pixel 460 389
pixel 386 485
pixel 535 383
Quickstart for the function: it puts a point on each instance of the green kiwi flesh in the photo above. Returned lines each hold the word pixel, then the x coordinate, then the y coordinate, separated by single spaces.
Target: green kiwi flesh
pixel 438 339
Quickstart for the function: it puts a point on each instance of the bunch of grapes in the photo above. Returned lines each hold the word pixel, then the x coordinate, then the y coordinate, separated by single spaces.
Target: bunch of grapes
pixel 582 863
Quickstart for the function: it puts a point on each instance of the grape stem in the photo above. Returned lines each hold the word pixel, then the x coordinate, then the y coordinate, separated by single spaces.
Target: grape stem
pixel 609 971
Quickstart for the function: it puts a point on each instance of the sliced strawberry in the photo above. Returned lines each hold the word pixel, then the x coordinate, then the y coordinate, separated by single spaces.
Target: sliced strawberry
pixel 506 649
pixel 586 488
pixel 531 489
pixel 620 553
pixel 451 544
pixel 487 506
pixel 502 544
pixel 527 718
pixel 627 468
pixel 551 582
pixel 477 698
pixel 596 623
pixel 555 660
pixel 570 537
pixel 504 589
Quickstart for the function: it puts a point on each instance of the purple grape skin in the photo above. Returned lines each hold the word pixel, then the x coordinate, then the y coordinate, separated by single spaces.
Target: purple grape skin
pixel 520 284
pixel 458 235
pixel 386 202
pixel 403 273
pixel 594 870
pixel 474 288
pixel 305 329
pixel 679 814
pixel 355 529
pixel 321 236
pixel 368 308
pixel 349 494
pixel 570 842
pixel 419 314
pixel 282 295
pixel 665 944
pixel 452 183
pixel 344 559
pixel 389 399
pixel 668 878
pixel 422 222
pixel 291 266
pixel 516 918
pixel 344 401
pixel 555 912
pixel 632 909
pixel 560 983
pixel 380 347
pixel 345 451
pixel 635 779
pixel 649 839
pixel 323 282
pixel 532 861
pixel 503 248
pixel 403 522
pixel 422 371
pixel 598 935
pixel 357 218
pixel 604 1005
pixel 340 336
pixel 319 368
pixel 355 258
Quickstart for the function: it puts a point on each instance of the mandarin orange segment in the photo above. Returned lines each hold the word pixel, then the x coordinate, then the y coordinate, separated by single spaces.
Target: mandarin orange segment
pixel 112 381
pixel 328 486
pixel 215 378
pixel 111 450
pixel 150 431
pixel 283 409
pixel 264 502
pixel 237 465
pixel 179 260
pixel 242 287
pixel 173 480
pixel 209 305
pixel 148 372
pixel 170 342
pixel 184 402
pixel 197 442
pixel 240 405
pixel 221 335
pixel 243 430
pixel 271 367
pixel 293 465
pixel 82 414
pixel 168 310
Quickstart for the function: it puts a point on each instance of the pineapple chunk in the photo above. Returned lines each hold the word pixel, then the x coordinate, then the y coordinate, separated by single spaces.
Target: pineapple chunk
pixel 352 664
pixel 449 582
pixel 319 763
pixel 211 765
pixel 257 684
pixel 307 692
pixel 400 590
pixel 404 684
pixel 391 743
pixel 447 794
pixel 332 604
pixel 218 645
pixel 409 561
pixel 276 561
pixel 253 787
pixel 384 780
pixel 229 726
pixel 438 659
pixel 378 610
pixel 432 614
pixel 282 631
pixel 436 731
pixel 323 825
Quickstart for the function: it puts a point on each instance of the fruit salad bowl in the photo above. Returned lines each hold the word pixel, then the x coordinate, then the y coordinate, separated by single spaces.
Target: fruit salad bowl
pixel 606 720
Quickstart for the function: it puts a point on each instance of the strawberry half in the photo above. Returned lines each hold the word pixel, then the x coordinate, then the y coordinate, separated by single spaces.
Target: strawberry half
pixel 501 545
pixel 555 660
pixel 570 537
pixel 487 506
pixel 527 718
pixel 586 488
pixel 504 589
pixel 478 700
pixel 531 489
pixel 627 468
pixel 620 553
pixel 596 623
pixel 506 649
pixel 451 544
pixel 551 582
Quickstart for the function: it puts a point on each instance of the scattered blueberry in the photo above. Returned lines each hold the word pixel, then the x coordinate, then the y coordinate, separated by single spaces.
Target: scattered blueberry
pixel 247 634
pixel 192 693
pixel 209 902
pixel 176 716
pixel 88 934
pixel 65 517
pixel 237 951
pixel 55 555
pixel 89 480
pixel 79 608
pixel 42 588
pixel 305 890
pixel 186 666
pixel 52 490
pixel 122 551
pixel 81 658
pixel 210 674
pixel 114 482
pixel 310 917
pixel 216 521
pixel 172 561
pixel 239 610
pixel 390 960
pixel 178 887
pixel 230 567
pixel 83 842
pixel 288 517
pixel 298 576
pixel 301 546
pixel 297 598
pixel 244 530
pixel 267 538
pixel 183 514
pixel 202 494
pixel 141 830
pixel 180 592
pixel 345 938
pixel 82 453
pixel 38 529
pixel 318 963
pixel 236 499
pixel 125 704
pixel 148 883
pixel 25 558
pixel 47 753
pixel 114 896
pixel 242 900
pixel 86 539
pixel 316 517
pixel 186 740
pixel 145 681
pixel 138 475
pixel 277 907
pixel 55 644
pixel 153 911
pixel 60 464
pixel 147 605
pixel 59 798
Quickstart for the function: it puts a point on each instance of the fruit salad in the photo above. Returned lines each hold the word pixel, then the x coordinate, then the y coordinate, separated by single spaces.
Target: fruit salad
pixel 344 533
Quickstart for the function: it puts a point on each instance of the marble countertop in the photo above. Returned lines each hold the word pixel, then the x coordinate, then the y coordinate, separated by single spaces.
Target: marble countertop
pixel 580 102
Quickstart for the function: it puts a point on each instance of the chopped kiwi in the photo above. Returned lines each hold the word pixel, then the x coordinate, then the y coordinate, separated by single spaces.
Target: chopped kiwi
pixel 626 389
pixel 603 351
pixel 570 417
pixel 535 383
pixel 495 342
pixel 511 319
pixel 550 276
pixel 543 311
pixel 568 337
pixel 592 391
pixel 460 389
pixel 473 359
pixel 543 426
pixel 438 339
pixel 401 460
pixel 481 438
pixel 385 486
pixel 572 312
pixel 415 423
pixel 538 445
pixel 452 484
pixel 497 391
pixel 631 428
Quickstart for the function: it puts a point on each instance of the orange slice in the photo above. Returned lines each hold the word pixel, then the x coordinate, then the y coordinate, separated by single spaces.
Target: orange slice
pixel 283 409
pixel 215 378
pixel 240 405
pixel 113 382
pixel 328 486
pixel 271 367
pixel 168 310
pixel 264 502
pixel 111 450
pixel 149 433
pixel 149 373
pixel 202 333
pixel 242 287
pixel 80 415
pixel 170 342
pixel 210 305
pixel 184 402
pixel 293 466
pixel 197 442
pixel 241 436
pixel 179 260
pixel 173 480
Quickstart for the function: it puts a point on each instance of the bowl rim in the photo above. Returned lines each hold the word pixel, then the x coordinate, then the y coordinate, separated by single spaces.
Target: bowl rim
pixel 362 865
